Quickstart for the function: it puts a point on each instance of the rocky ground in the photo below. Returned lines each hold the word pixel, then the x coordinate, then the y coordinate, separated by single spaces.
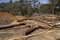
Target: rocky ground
pixel 43 27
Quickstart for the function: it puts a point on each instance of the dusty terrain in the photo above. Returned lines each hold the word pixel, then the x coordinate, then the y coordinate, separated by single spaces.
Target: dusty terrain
pixel 43 27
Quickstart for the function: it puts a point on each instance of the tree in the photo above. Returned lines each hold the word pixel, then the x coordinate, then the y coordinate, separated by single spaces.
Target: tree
pixel 45 8
pixel 27 6
pixel 23 7
pixel 53 5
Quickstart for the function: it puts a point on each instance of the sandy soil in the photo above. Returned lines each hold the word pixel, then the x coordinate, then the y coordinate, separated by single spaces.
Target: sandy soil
pixel 17 32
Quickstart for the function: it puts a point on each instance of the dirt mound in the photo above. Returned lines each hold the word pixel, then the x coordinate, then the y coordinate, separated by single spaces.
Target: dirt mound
pixel 46 17
pixel 6 18
pixel 20 18
pixel 47 35
pixel 31 28
pixel 6 15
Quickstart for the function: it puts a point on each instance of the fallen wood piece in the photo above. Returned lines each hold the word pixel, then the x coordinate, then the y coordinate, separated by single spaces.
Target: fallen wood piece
pixel 43 21
pixel 11 25
pixel 37 24
pixel 48 23
pixel 31 35
pixel 28 36
pixel 57 25
pixel 28 30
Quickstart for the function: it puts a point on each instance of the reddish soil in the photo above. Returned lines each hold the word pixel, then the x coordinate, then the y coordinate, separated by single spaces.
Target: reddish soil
pixel 6 15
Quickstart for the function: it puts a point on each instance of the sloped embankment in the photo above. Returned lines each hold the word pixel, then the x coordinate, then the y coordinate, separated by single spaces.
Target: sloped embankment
pixel 30 28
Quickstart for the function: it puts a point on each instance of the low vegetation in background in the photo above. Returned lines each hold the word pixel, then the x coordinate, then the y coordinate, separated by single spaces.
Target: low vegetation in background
pixel 28 7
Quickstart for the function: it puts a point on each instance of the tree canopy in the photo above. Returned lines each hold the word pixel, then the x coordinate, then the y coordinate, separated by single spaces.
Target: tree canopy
pixel 28 7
